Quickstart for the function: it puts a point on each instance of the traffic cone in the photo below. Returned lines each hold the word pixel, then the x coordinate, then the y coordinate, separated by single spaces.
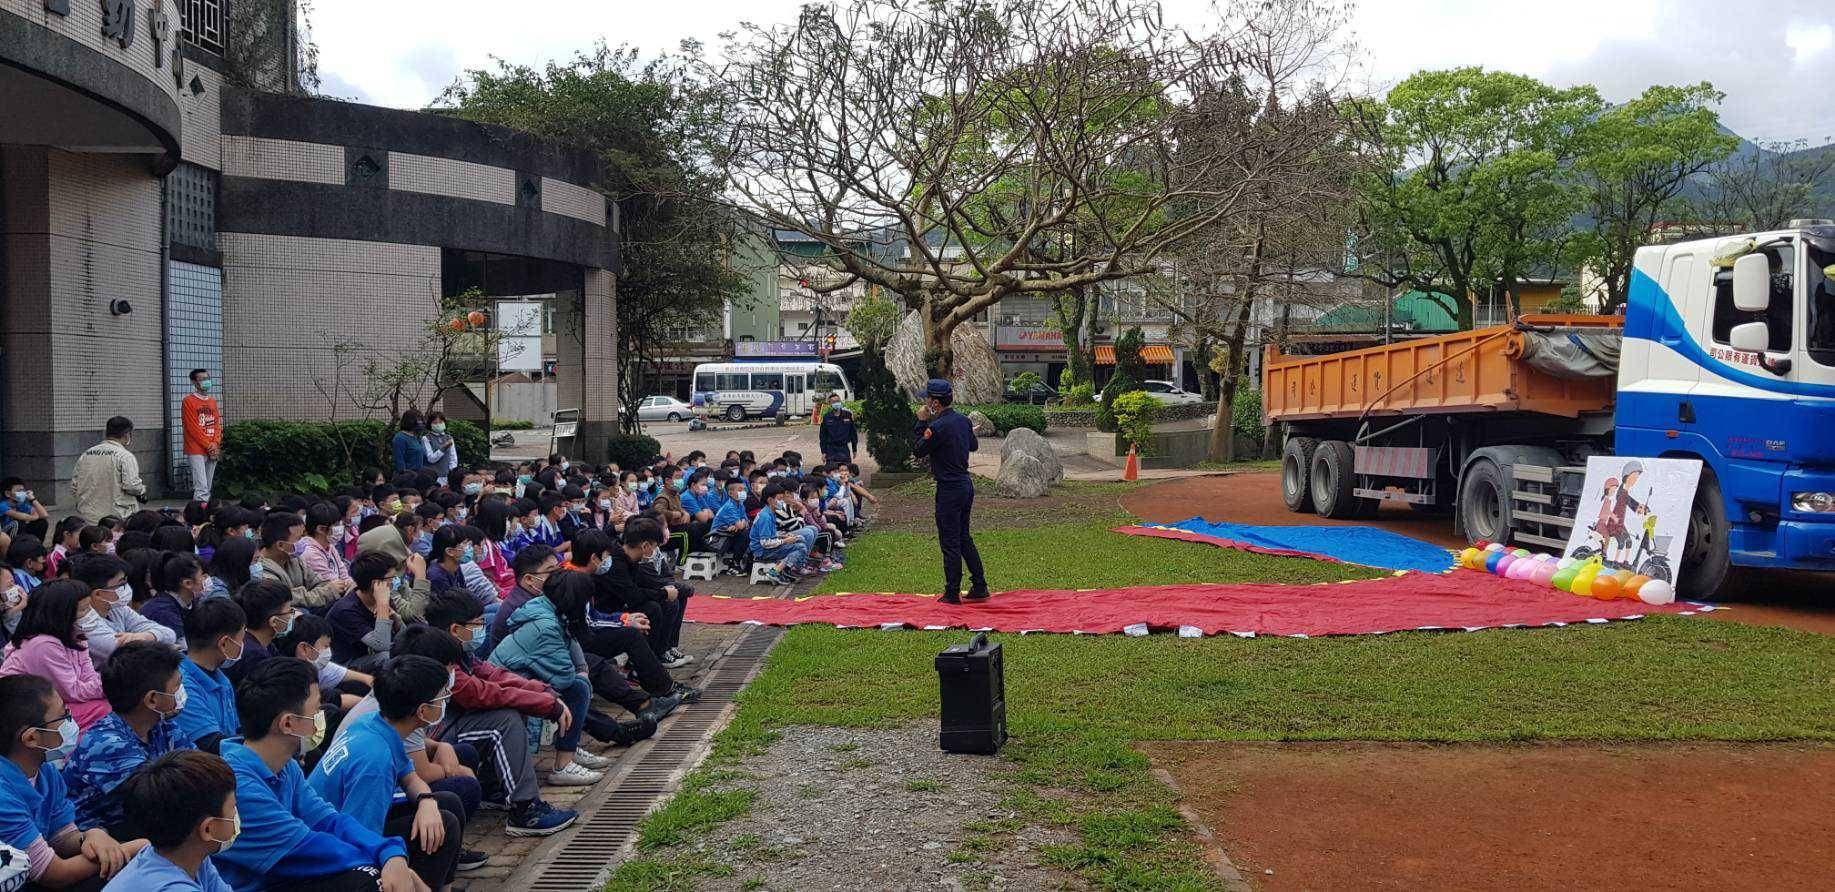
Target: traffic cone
pixel 1133 469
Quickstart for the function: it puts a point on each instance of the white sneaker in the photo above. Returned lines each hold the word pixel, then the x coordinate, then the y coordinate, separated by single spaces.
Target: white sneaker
pixel 574 775
pixel 592 760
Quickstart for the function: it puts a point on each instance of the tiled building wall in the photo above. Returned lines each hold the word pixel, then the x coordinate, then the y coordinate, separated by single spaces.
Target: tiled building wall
pixel 282 159
pixel 194 340
pixel 578 202
pixel 288 301
pixel 453 179
pixel 83 24
pixel 202 114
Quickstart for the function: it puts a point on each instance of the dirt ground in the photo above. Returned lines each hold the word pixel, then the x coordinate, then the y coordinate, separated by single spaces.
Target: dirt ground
pixel 1796 601
pixel 1543 816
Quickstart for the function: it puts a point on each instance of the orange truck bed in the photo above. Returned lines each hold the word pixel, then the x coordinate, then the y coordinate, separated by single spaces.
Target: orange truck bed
pixel 1465 371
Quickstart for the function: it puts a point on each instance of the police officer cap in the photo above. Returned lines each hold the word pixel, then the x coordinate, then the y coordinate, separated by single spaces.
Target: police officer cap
pixel 938 388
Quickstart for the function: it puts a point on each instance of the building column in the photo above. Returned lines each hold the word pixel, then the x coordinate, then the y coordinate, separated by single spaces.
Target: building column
pixel 599 378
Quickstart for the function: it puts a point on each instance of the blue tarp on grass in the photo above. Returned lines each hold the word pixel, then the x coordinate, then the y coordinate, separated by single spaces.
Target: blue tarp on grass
pixel 1369 546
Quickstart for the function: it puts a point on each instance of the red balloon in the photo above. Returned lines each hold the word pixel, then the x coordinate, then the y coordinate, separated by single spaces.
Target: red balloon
pixel 457 324
pixel 476 318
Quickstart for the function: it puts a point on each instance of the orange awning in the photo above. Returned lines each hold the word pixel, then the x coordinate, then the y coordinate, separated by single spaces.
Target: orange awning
pixel 1152 354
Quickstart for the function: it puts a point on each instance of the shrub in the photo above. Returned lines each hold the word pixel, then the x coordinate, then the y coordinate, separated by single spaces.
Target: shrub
pixel 1246 413
pixel 512 424
pixel 886 414
pixel 1080 395
pixel 1025 381
pixel 632 450
pixel 1119 383
pixel 1135 413
pixel 1007 416
pixel 317 457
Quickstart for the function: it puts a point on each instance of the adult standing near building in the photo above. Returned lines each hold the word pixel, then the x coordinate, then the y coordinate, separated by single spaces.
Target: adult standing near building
pixel 410 451
pixel 945 437
pixel 839 436
pixel 107 476
pixel 203 433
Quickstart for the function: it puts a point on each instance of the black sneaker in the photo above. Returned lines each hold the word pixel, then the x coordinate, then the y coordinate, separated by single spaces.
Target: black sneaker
pixel 660 708
pixel 471 859
pixel 978 592
pixel 950 598
pixel 688 694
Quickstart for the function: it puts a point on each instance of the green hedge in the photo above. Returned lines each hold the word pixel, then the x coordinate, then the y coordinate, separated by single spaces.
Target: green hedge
pixel 315 458
pixel 1008 416
pixel 512 424
pixel 632 451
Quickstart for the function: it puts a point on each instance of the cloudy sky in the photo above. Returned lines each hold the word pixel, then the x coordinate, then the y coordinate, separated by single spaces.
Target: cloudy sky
pixel 1777 66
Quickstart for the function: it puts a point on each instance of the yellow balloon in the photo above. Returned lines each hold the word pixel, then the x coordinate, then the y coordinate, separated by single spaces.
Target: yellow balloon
pixel 1583 583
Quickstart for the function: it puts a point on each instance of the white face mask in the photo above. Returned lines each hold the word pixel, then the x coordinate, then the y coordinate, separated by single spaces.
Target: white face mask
pixel 321 657
pixel 337 531
pixel 235 830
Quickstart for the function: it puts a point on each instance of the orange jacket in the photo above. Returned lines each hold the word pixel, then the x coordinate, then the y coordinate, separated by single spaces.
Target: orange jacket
pixel 203 424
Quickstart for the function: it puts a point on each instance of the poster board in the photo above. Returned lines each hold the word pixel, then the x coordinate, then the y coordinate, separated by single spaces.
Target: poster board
pixel 520 347
pixel 1638 526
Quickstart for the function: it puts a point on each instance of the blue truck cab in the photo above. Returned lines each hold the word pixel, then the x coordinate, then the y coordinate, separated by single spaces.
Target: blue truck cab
pixel 1729 357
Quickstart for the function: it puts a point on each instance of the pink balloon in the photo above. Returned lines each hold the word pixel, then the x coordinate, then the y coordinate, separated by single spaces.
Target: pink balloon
pixel 1545 573
pixel 1522 569
pixel 1504 565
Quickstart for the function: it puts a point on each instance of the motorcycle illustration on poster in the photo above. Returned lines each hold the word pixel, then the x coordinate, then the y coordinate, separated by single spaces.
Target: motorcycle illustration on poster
pixel 1634 514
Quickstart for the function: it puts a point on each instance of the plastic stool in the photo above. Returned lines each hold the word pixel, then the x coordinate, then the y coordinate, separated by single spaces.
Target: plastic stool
pixel 701 565
pixel 761 571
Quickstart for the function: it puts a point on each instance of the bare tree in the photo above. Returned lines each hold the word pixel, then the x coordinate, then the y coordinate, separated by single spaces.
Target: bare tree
pixel 1767 188
pixel 989 148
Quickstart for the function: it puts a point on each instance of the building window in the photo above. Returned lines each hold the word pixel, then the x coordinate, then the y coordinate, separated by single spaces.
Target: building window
pixel 191 207
pixel 201 22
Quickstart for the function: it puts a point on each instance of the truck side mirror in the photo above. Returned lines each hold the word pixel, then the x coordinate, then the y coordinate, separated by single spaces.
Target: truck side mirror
pixel 1750 337
pixel 1752 284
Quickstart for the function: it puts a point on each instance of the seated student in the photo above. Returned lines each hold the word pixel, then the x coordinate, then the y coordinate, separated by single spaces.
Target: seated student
pixel 310 641
pixel 48 644
pixel 785 550
pixel 446 767
pixel 280 533
pixel 214 639
pixel 68 531
pixel 184 803
pixel 230 567
pixel 532 567
pixel 321 550
pixel 542 643
pixel 368 764
pixel 290 838
pixel 405 602
pixel 553 507
pixel 624 586
pixel 446 558
pixel 488 711
pixel 23 514
pixel 25 559
pixel 36 816
pixel 612 629
pixel 181 585
pixel 363 622
pixel 658 571
pixel 576 517
pixel 146 691
pixel 268 606
pixel 808 504
pixel 730 524
pixel 110 621
pixel 755 493
pixel 431 517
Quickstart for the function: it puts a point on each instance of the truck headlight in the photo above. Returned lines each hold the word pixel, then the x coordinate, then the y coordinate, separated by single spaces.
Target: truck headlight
pixel 1813 502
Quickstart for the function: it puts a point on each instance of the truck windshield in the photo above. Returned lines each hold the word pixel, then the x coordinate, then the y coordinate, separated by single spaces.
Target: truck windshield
pixel 1821 293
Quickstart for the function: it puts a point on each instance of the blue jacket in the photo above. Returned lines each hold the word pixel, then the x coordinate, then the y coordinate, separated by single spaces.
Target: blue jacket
pixel 210 704
pixel 536 644
pixel 764 526
pixel 839 435
pixel 361 772
pixel 694 504
pixel 730 513
pixel 288 832
pixel 410 455
pixel 946 440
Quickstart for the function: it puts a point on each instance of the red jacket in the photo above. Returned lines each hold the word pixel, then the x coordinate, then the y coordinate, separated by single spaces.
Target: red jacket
pixel 485 686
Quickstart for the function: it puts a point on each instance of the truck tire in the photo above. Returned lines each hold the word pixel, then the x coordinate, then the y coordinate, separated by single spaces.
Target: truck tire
pixel 1706 558
pixel 1296 474
pixel 1332 480
pixel 1483 503
pixel 735 412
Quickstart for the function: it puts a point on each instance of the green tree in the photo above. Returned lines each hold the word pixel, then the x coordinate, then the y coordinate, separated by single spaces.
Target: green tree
pixel 1467 189
pixel 1130 371
pixel 1635 160
pixel 886 411
pixel 656 130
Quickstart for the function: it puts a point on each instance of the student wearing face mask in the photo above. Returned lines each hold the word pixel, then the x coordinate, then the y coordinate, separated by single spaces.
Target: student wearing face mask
pixel 49 645
pixel 36 815
pixel 290 837
pixel 321 549
pixel 21 514
pixel 268 605
pixel 231 566
pixel 281 531
pixel 310 641
pixel 111 622
pixel 363 622
pixel 184 804
pixel 180 581
pixel 213 641
pixel 203 433
pixel 442 451
pixel 369 763
pixel 146 691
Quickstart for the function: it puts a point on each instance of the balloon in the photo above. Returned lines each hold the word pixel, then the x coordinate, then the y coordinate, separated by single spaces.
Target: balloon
pixel 1491 561
pixel 1564 579
pixel 1656 591
pixel 1521 552
pixel 1565 563
pixel 1504 564
pixel 1583 583
pixel 476 318
pixel 1545 573
pixel 457 324
pixel 1633 584
pixel 1495 548
pixel 1623 576
pixel 1468 557
pixel 1606 587
pixel 1514 570
pixel 1481 545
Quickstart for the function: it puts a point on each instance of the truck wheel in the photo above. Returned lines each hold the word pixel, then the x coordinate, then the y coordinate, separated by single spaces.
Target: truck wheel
pixel 735 412
pixel 1296 473
pixel 1706 558
pixel 1483 502
pixel 1332 480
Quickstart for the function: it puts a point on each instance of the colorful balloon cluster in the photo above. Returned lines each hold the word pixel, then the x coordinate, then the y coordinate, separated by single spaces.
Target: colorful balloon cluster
pixel 1588 578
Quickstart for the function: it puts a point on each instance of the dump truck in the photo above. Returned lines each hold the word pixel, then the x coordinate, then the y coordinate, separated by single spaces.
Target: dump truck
pixel 1725 353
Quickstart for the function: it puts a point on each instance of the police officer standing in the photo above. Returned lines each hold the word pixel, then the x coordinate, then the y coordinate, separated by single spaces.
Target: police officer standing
pixel 945 437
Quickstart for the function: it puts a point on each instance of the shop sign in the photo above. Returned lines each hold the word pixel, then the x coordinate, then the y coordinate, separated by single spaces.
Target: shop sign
pixel 1036 335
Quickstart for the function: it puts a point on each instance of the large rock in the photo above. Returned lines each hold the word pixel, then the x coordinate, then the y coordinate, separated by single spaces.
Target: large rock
pixel 983 426
pixel 977 378
pixel 1028 465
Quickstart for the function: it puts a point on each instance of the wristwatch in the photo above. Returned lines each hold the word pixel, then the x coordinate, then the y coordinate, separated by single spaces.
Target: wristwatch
pixel 423 797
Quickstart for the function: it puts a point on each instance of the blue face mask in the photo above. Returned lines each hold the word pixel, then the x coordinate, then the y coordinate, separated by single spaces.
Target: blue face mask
pixel 400 583
pixel 475 642
pixel 254 571
pixel 425 538
pixel 472 489
pixel 469 555
pixel 678 483
pixel 605 566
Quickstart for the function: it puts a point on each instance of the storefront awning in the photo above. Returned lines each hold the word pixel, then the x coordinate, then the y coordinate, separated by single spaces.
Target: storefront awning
pixel 1152 354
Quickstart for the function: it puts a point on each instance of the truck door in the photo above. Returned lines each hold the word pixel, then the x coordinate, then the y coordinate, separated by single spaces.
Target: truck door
pixel 1657 376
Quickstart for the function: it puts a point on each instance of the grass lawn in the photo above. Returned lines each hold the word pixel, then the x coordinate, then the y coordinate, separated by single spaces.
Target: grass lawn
pixel 1077 703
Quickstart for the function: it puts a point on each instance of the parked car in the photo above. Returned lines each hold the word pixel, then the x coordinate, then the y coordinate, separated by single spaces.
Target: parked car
pixel 1171 394
pixel 663 408
pixel 1037 394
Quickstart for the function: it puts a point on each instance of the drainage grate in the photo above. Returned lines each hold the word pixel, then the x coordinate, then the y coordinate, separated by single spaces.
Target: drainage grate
pixel 595 843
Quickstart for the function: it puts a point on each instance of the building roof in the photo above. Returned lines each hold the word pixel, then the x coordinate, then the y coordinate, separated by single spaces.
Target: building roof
pixel 1412 311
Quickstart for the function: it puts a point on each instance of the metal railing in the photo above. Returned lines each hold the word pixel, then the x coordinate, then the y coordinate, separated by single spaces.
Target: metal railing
pixel 201 22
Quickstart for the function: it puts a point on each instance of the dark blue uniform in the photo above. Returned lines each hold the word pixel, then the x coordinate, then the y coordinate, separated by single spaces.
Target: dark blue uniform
pixel 839 436
pixel 946 441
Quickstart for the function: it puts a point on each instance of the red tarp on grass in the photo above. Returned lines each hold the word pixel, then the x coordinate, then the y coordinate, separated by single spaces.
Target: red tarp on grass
pixel 1459 600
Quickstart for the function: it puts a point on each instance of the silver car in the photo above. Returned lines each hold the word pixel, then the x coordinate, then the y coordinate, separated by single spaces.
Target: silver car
pixel 663 408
